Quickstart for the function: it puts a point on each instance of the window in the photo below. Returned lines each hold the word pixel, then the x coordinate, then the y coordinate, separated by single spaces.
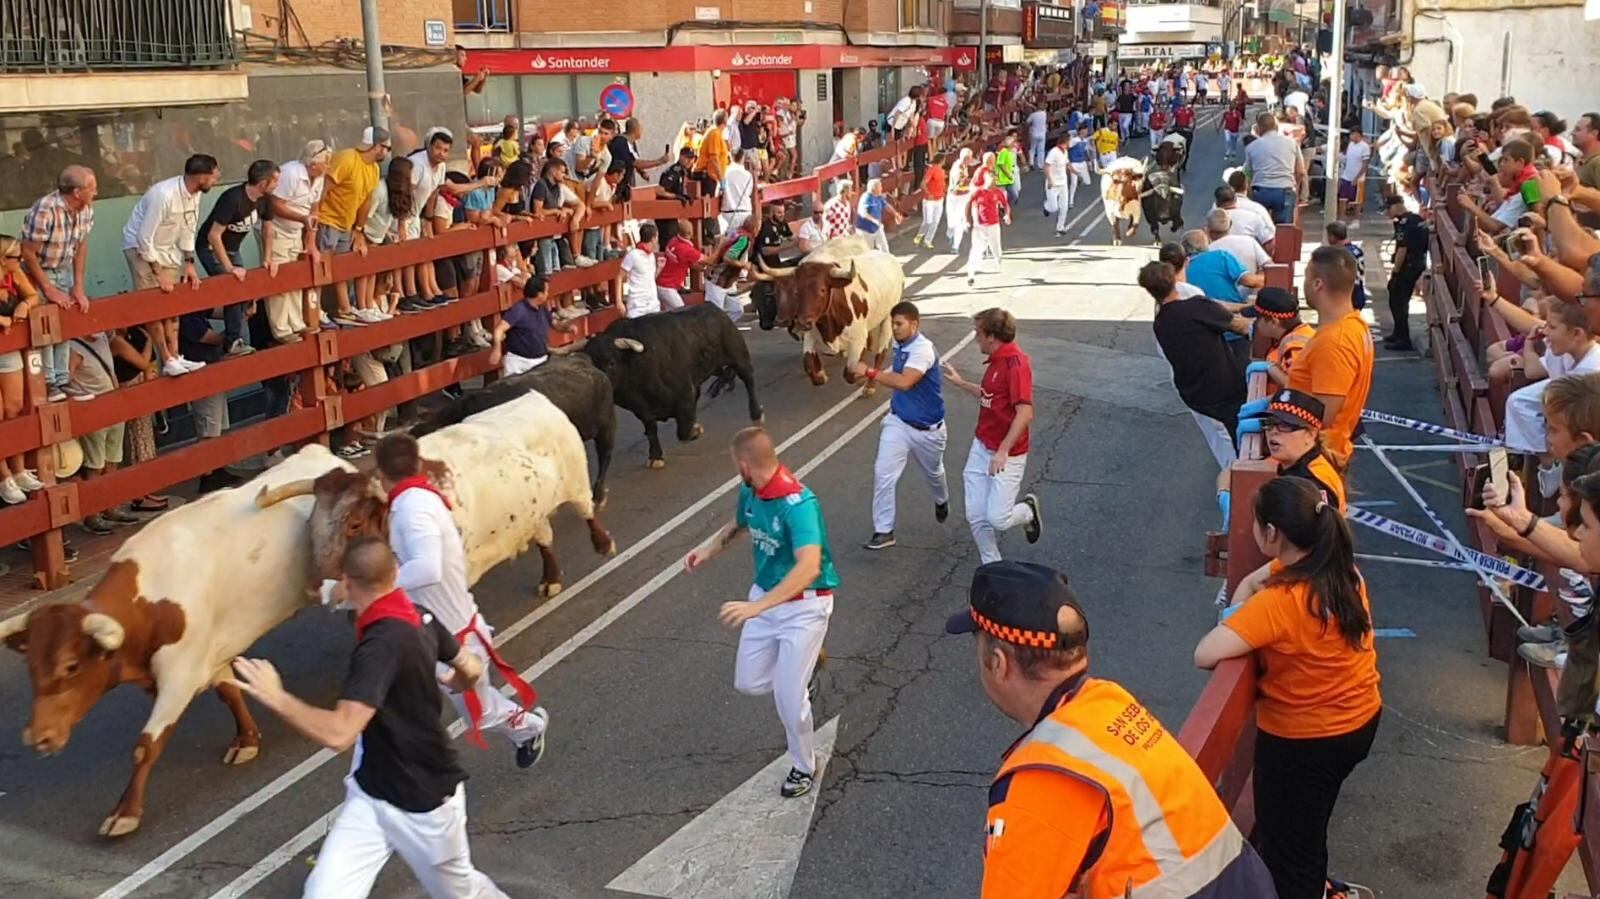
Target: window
pixel 888 89
pixel 497 100
pixel 916 15
pixel 552 98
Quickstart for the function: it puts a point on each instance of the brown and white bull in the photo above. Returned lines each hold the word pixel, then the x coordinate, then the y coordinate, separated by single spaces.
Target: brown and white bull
pixel 1119 192
pixel 181 598
pixel 505 470
pixel 838 300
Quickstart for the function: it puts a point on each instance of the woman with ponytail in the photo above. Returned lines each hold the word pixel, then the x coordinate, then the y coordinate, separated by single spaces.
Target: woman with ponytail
pixel 1305 614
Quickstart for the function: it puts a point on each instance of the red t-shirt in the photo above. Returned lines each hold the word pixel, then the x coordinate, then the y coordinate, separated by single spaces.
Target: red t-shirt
pixel 1158 120
pixel 938 106
pixel 1007 383
pixel 1232 119
pixel 1184 116
pixel 989 204
pixel 933 183
pixel 676 260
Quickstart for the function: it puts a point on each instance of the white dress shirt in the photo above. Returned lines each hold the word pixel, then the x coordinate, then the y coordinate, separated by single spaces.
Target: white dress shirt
pixel 738 187
pixel 163 223
pixel 433 563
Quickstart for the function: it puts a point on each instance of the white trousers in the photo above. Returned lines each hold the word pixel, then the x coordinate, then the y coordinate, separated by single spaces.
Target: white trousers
pixel 722 299
pixel 896 441
pixel 984 238
pixel 284 313
pixel 992 505
pixel 367 831
pixel 955 208
pixel 1525 419
pixel 1063 192
pixel 932 214
pixel 512 365
pixel 668 298
pixel 730 221
pixel 879 239
pixel 1076 172
pixel 501 713
pixel 777 653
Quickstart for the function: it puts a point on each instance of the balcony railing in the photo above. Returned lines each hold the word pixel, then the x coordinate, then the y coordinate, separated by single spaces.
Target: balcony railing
pixel 95 35
pixel 482 16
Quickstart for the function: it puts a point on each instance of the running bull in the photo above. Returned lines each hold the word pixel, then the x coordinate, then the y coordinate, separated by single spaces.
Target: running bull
pixel 181 598
pixel 572 382
pixel 505 471
pixel 657 364
pixel 838 299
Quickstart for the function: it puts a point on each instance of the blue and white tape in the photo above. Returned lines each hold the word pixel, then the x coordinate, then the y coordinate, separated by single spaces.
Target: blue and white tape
pixel 1400 421
pixel 1533 580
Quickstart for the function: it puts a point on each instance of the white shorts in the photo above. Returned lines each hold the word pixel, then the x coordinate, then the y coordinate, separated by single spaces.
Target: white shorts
pixel 512 364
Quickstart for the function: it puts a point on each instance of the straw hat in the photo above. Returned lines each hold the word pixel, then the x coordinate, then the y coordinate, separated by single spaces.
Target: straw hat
pixel 68 458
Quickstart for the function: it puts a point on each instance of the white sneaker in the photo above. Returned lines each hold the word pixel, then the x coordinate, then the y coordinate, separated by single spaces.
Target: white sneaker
pixel 366 315
pixel 175 366
pixel 27 481
pixel 585 261
pixel 190 364
pixel 11 493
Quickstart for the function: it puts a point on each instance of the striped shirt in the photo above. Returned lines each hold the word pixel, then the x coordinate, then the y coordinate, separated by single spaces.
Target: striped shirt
pixel 57 229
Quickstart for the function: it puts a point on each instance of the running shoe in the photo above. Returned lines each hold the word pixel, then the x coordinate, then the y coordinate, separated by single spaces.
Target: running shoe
pixel 10 493
pixel 530 752
pixel 797 784
pixel 941 511
pixel 1035 525
pixel 1544 655
pixel 1540 633
pixel 879 541
pixel 28 481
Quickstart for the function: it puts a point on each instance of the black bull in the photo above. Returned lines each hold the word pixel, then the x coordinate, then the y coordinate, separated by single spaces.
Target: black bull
pixel 1162 200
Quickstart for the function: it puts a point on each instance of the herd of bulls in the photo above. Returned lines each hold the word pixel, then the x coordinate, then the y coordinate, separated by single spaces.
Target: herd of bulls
pixel 199 585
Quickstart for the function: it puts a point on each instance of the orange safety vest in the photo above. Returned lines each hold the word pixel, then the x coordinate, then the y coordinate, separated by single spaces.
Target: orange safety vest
pixel 1170 836
pixel 1293 342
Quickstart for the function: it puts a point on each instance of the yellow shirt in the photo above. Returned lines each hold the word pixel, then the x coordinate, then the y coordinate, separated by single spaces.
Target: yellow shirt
pixel 1105 141
pixel 347 188
pixel 508 151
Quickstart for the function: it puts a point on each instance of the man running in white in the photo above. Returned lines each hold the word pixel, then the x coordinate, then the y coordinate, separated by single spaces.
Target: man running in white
pixel 404 792
pixel 999 454
pixel 786 616
pixel 433 571
pixel 987 208
pixel 1058 181
pixel 914 425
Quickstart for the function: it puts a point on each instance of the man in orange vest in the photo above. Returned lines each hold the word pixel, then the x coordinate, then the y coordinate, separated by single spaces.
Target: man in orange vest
pixel 1097 799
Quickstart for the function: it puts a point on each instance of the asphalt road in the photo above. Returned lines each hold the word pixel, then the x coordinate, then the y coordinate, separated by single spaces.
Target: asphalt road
pixel 648 732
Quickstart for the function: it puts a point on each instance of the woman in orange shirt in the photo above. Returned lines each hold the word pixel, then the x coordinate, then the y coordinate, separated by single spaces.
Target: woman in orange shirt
pixel 933 191
pixel 1317 709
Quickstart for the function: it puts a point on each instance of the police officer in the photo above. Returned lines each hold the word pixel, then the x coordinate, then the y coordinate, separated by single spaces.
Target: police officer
pixel 1097 798
pixel 914 426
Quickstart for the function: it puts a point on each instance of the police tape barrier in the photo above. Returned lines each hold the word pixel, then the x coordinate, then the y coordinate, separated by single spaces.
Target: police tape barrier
pixel 1533 580
pixel 1433 448
pixel 1420 563
pixel 1400 421
pixel 1456 549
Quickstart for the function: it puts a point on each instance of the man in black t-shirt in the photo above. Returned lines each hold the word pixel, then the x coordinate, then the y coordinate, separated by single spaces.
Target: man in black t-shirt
pixel 1411 240
pixel 1190 332
pixel 239 211
pixel 625 150
pixel 406 793
pixel 772 240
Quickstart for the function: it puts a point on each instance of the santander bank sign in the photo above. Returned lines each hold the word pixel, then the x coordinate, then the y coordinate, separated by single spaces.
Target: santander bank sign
pixel 740 60
pixel 540 62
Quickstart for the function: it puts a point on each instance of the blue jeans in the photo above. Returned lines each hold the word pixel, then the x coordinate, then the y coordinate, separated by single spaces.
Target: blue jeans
pixel 233 313
pixel 57 356
pixel 1278 200
pixel 1013 192
pixel 549 258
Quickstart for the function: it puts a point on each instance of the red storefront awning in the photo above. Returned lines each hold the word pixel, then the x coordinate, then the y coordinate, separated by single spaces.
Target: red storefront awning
pixel 705 59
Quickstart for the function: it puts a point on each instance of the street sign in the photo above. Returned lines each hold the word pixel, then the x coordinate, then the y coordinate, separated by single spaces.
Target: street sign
pixel 433 32
pixel 617 100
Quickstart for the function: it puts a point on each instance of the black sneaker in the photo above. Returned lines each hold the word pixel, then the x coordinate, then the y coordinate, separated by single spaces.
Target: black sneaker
pixel 529 753
pixel 68 551
pixel 879 541
pixel 1035 526
pixel 797 784
pixel 411 304
pixel 941 511
pixel 96 525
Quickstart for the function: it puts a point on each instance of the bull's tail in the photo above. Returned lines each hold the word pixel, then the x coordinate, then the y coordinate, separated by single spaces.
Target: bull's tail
pixel 722 381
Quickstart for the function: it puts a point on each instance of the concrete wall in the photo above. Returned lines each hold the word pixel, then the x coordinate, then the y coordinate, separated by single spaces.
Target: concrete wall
pixel 1551 62
pixel 663 101
pixel 816 138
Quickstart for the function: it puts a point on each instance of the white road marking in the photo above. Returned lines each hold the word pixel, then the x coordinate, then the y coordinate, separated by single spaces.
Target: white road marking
pixel 213 828
pixel 305 838
pixel 747 844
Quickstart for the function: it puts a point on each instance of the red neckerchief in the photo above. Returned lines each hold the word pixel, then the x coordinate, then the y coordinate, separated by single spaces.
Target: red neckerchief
pixel 394 604
pixel 1527 174
pixel 417 482
pixel 782 484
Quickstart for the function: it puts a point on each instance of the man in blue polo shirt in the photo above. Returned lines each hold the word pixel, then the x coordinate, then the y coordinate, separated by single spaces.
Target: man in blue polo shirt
pixel 914 426
pixel 521 340
pixel 785 618
pixel 1217 273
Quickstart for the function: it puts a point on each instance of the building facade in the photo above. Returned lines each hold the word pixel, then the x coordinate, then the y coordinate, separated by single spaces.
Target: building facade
pixel 1160 33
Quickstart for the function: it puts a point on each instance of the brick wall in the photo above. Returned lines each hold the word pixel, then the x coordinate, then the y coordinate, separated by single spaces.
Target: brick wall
pixel 630 15
pixel 399 21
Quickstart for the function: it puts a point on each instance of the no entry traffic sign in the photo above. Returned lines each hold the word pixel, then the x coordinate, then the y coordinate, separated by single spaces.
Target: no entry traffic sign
pixel 617 100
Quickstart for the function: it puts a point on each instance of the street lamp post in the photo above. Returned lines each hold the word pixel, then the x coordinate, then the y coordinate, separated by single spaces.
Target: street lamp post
pixel 374 47
pixel 983 49
pixel 1335 114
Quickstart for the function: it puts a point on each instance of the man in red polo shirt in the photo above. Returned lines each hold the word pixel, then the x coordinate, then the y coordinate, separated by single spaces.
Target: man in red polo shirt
pixel 986 210
pixel 999 452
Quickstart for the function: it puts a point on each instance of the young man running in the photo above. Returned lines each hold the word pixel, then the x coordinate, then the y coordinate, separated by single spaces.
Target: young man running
pixel 999 453
pixel 405 792
pixel 914 425
pixel 433 571
pixel 785 618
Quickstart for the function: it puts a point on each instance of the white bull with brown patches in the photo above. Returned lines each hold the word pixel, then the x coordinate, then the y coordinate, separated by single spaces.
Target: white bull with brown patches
pixel 505 471
pixel 838 300
pixel 182 597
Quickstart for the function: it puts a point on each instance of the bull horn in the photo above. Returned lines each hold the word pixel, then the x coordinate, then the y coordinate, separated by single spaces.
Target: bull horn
pixel 847 275
pixel 773 273
pixel 105 630
pixel 14 625
pixel 629 344
pixel 271 496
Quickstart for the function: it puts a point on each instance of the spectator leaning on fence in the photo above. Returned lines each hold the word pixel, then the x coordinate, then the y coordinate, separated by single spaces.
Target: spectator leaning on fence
pixel 237 212
pixel 55 253
pixel 158 244
pixel 1191 333
pixel 351 178
pixel 290 232
pixel 1569 349
pixel 17 300
pixel 1307 615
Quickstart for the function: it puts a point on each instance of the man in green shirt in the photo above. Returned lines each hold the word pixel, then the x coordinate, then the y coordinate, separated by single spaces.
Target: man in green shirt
pixel 1005 168
pixel 785 618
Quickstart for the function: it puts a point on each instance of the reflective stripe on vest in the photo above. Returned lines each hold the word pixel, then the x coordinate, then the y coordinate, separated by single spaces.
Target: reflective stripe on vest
pixel 1147 860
